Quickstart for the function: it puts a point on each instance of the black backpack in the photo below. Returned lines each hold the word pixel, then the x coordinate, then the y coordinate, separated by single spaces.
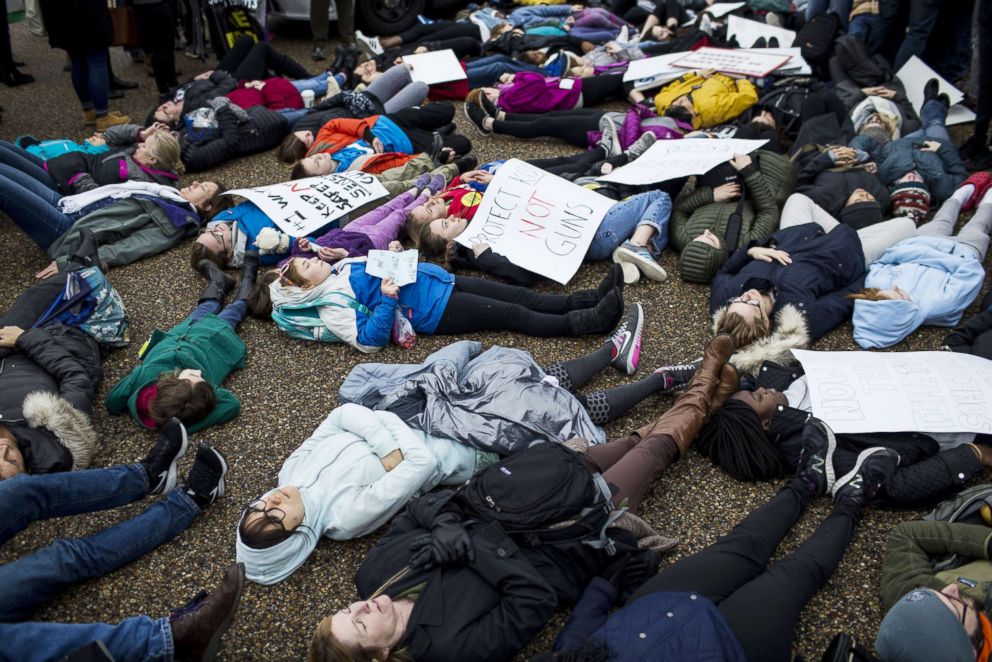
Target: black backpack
pixel 532 491
pixel 816 38
pixel 784 99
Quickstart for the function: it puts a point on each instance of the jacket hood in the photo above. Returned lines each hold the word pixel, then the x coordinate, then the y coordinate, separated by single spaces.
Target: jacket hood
pixel 276 563
pixel 883 323
pixel 790 333
pixel 71 427
pixel 889 112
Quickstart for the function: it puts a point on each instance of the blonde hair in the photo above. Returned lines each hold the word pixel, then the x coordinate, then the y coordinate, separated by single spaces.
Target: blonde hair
pixel 741 330
pixel 868 294
pixel 164 148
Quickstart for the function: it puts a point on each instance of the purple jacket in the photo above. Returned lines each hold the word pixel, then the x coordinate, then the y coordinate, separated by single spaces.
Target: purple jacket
pixel 640 120
pixel 356 243
pixel 533 93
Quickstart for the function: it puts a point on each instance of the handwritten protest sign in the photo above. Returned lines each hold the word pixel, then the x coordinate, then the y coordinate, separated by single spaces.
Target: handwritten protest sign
pixel 670 159
pixel 741 62
pixel 900 391
pixel 304 205
pixel 914 76
pixel 401 267
pixel 537 220
pixel 435 67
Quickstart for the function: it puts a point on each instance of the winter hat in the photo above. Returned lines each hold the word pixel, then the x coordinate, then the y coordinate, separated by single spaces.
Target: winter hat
pixel 699 262
pixel 861 214
pixel 910 199
pixel 920 628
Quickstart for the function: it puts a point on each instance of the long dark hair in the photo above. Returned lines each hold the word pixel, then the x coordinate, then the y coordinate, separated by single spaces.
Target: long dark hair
pixel 736 440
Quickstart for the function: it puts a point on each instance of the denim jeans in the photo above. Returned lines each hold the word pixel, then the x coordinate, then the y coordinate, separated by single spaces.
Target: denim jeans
pixel 933 118
pixel 868 28
pixel 33 580
pixel 316 84
pixel 32 206
pixel 233 314
pixel 485 71
pixel 91 80
pixel 137 638
pixel 652 208
pixel 26 162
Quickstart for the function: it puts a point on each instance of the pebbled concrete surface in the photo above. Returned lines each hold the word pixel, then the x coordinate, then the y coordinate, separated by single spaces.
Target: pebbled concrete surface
pixel 289 386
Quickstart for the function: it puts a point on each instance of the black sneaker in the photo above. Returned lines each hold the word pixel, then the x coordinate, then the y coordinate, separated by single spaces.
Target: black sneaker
pixel 931 89
pixel 627 341
pixel 205 482
pixel 680 375
pixel 816 461
pixel 873 467
pixel 318 54
pixel 161 461
pixel 488 106
pixel 468 162
pixel 477 116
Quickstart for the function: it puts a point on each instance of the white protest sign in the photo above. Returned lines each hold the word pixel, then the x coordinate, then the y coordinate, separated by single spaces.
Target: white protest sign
pixel 732 61
pixel 658 68
pixel 670 159
pixel 934 392
pixel 914 76
pixel 537 220
pixel 435 67
pixel 401 267
pixel 299 207
pixel 747 32
pixel 797 64
pixel 721 9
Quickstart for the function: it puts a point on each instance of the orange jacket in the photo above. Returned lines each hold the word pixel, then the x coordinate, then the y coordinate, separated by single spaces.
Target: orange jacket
pixel 340 133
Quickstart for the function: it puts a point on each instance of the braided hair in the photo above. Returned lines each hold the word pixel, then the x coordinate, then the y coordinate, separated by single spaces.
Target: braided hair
pixel 735 439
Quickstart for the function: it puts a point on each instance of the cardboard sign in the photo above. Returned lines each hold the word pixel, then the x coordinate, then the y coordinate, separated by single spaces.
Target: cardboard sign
pixel 658 69
pixel 537 220
pixel 752 63
pixel 933 392
pixel 401 267
pixel 747 32
pixel 299 207
pixel 914 76
pixel 435 67
pixel 671 159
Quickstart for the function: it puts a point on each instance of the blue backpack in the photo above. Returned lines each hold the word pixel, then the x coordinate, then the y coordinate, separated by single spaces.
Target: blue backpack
pixel 91 304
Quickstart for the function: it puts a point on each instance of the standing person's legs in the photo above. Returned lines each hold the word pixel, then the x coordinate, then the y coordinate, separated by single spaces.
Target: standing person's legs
pixel 157 32
pixel 799 209
pixel 137 638
pixel 876 239
pixel 783 589
pixel 651 209
pixel 35 214
pixel 346 20
pixel 31 581
pixel 922 16
pixel 97 81
pixel 984 74
pixel 319 10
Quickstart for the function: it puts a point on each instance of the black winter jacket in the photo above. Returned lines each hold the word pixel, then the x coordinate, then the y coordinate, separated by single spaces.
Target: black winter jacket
pixel 263 130
pixel 831 188
pixel 197 93
pixel 973 337
pixel 78 26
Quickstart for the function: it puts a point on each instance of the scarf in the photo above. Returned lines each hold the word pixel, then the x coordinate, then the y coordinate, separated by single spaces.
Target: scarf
pixel 73 203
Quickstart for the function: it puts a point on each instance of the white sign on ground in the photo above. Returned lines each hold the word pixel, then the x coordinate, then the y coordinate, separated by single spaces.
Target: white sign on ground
pixel 899 391
pixel 537 220
pixel 658 68
pixel 401 267
pixel 299 207
pixel 435 67
pixel 670 159
pixel 733 61
pixel 748 32
pixel 721 9
pixel 914 76
pixel 797 64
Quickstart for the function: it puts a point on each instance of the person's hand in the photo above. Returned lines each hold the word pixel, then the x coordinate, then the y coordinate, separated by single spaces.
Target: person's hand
pixel 378 146
pixel 726 192
pixel 769 254
pixel 447 544
pixel 204 76
pixel 871 167
pixel 612 47
pixel 145 134
pixel 740 161
pixel 50 270
pixel 706 73
pixel 844 156
pixel 477 176
pixel 672 22
pixel 930 146
pixel 96 139
pixel 396 246
pixel 392 460
pixel 331 254
pixel 506 78
pixel 255 84
pixel 480 248
pixel 390 288
pixel 304 244
pixel 9 335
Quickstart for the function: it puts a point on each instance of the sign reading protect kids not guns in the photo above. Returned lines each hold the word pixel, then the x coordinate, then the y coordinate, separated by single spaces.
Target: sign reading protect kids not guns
pixel 537 220
pixel 302 206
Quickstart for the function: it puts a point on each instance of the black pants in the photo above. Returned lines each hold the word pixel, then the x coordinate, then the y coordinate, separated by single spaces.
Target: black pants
pixel 485 305
pixel 568 125
pixel 419 125
pixel 248 60
pixel 984 109
pixel 572 166
pixel 157 32
pixel 598 89
pixel 6 54
pixel 440 30
pixel 762 603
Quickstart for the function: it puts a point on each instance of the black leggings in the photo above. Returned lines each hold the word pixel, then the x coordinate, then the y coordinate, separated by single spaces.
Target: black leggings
pixel 157 33
pixel 762 603
pixel 419 124
pixel 571 166
pixel 484 305
pixel 248 60
pixel 598 89
pixel 440 30
pixel 568 125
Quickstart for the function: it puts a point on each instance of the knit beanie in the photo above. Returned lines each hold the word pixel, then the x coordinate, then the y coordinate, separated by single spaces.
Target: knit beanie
pixel 699 262
pixel 910 199
pixel 861 214
pixel 920 628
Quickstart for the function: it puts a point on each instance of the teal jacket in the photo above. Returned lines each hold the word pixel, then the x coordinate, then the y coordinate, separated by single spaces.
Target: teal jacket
pixel 209 345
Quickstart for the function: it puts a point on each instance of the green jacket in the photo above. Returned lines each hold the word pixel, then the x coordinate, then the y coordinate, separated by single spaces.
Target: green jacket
pixel 912 548
pixel 126 231
pixel 767 182
pixel 209 345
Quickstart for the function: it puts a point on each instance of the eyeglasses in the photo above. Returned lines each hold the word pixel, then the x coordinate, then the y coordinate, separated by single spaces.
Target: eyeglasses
pixel 751 302
pixel 217 234
pixel 274 515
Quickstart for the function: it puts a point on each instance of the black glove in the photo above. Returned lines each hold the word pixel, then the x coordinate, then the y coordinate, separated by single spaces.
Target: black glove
pixel 447 544
pixel 628 573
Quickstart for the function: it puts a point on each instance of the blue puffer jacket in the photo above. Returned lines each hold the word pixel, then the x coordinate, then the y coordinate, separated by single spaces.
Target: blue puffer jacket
pixel 658 626
pixel 251 221
pixel 942 171
pixel 825 268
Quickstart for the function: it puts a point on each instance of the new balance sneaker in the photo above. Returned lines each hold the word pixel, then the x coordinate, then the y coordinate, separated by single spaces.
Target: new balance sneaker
pixel 641 145
pixel 205 482
pixel 368 45
pixel 641 258
pixel 678 375
pixel 161 461
pixel 627 341
pixel 610 139
pixel 198 627
pixel 816 461
pixel 477 116
pixel 873 467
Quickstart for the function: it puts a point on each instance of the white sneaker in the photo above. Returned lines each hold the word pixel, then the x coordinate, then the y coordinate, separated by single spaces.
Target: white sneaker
pixel 369 44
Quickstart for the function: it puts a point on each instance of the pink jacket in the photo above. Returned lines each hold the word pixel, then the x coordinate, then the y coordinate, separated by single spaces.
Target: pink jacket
pixel 533 93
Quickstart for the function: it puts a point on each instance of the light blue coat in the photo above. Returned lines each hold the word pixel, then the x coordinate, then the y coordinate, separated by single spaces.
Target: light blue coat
pixel 941 275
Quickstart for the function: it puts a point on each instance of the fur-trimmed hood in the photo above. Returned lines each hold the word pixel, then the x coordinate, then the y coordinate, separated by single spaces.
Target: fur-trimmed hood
pixel 71 427
pixel 790 332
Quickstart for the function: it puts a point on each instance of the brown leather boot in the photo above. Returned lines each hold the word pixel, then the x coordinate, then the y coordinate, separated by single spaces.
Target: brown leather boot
pixel 730 383
pixel 691 411
pixel 198 627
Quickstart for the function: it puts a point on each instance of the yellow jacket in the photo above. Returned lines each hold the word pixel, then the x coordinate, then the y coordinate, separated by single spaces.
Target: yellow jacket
pixel 715 100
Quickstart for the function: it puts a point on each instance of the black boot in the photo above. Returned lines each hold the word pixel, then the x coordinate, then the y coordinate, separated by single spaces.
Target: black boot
pixel 220 283
pixel 197 628
pixel 249 270
pixel 338 59
pixel 600 319
pixel 931 89
pixel 350 60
